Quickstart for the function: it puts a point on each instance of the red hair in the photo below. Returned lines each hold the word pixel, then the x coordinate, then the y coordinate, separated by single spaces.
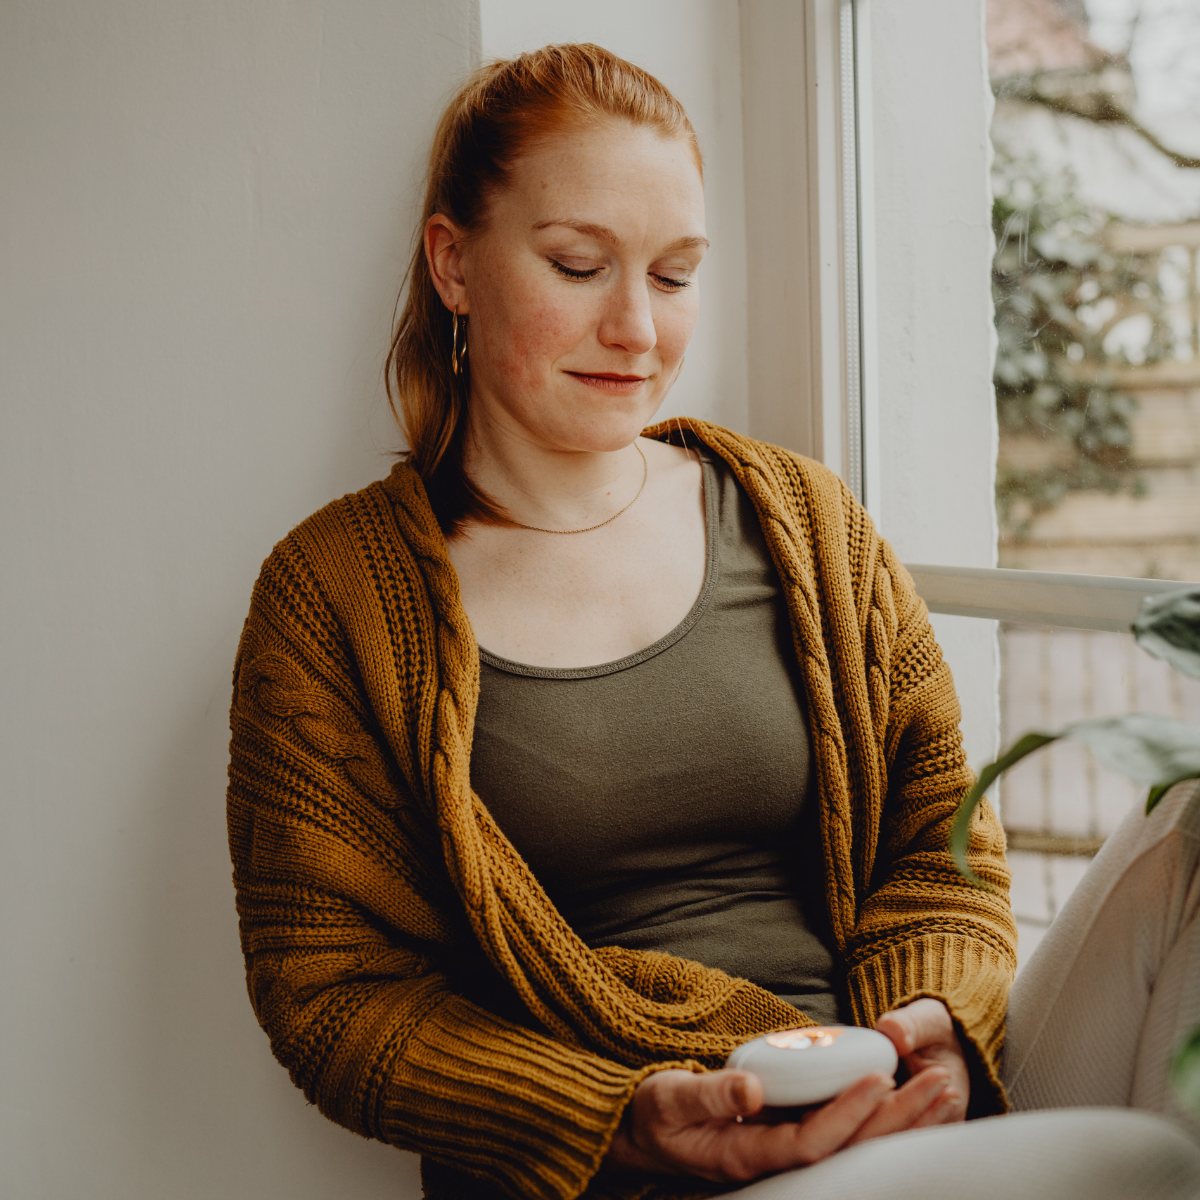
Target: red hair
pixel 501 109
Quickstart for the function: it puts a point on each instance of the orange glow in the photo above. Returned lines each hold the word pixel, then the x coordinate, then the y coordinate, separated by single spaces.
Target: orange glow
pixel 803 1039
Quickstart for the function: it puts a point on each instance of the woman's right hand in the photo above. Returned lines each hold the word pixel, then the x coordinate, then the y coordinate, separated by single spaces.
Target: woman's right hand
pixel 679 1123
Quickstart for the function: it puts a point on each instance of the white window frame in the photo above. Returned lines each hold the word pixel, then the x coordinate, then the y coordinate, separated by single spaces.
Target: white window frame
pixel 824 395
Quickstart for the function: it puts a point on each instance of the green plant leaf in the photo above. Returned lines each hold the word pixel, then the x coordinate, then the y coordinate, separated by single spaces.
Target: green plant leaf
pixel 1168 626
pixel 960 831
pixel 1185 1071
pixel 1155 795
pixel 1158 751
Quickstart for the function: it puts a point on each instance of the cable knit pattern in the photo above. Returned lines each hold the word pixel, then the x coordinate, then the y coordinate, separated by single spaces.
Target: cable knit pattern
pixel 410 971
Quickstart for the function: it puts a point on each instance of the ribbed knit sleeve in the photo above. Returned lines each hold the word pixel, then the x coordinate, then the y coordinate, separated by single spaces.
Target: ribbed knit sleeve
pixel 922 929
pixel 346 917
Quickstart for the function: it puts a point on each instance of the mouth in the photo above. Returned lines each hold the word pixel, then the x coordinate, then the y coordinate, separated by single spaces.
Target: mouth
pixel 609 381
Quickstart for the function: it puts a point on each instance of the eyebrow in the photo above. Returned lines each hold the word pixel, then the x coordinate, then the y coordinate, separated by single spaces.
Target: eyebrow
pixel 602 233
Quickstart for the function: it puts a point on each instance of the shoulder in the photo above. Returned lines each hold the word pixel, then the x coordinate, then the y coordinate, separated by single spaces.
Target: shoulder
pixel 389 510
pixel 361 592
pixel 780 473
pixel 789 490
pixel 378 539
pixel 819 521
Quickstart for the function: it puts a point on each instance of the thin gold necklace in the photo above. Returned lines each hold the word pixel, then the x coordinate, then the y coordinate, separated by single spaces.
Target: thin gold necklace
pixel 645 476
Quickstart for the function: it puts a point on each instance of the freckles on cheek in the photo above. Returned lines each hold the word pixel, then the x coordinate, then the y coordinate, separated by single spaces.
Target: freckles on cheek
pixel 538 335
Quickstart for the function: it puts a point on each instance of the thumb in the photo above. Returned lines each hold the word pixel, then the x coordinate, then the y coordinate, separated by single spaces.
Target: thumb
pixel 924 1022
pixel 718 1095
pixel 898 1025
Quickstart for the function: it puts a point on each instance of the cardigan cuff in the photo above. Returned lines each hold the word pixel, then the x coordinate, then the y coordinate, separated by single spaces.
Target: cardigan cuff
pixel 968 976
pixel 530 1115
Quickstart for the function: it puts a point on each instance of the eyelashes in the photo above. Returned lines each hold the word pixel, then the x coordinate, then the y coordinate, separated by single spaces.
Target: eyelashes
pixel 674 285
pixel 571 273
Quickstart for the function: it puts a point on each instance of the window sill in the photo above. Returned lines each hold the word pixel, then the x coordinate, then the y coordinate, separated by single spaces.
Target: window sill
pixel 1103 602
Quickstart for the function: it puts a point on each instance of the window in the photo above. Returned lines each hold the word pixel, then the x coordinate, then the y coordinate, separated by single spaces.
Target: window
pixel 1096 220
pixel 1097 223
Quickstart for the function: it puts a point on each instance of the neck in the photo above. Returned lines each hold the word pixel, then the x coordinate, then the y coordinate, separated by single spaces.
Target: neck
pixel 545 485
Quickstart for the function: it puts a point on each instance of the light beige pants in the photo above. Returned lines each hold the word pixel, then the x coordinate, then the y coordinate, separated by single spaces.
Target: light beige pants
pixel 1092 1020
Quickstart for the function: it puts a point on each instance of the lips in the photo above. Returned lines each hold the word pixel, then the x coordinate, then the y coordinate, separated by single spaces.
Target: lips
pixel 609 381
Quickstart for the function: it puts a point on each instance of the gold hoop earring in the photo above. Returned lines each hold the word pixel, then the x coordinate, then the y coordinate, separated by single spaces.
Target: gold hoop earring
pixel 458 353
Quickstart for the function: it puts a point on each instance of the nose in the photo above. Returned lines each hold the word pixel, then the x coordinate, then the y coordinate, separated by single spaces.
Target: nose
pixel 628 322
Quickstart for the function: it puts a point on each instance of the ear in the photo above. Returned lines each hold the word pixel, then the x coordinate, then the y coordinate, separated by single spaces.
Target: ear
pixel 443 252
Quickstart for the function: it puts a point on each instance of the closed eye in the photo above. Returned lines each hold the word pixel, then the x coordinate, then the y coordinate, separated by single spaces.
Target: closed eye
pixel 665 281
pixel 571 273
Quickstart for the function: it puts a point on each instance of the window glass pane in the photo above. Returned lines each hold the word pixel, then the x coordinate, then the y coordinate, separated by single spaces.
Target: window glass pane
pixel 1097 222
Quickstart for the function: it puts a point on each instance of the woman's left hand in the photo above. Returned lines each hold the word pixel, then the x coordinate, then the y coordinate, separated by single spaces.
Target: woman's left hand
pixel 924 1037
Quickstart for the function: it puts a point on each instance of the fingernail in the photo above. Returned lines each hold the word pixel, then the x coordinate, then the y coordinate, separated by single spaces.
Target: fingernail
pixel 739 1093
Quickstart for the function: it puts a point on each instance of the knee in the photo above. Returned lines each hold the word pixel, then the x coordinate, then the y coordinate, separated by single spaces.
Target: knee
pixel 1140 1154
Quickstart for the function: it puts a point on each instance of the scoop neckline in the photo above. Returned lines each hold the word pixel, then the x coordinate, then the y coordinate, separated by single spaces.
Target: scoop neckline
pixel 712 549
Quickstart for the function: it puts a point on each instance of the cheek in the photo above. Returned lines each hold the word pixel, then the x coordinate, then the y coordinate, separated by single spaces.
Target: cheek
pixel 674 325
pixel 535 328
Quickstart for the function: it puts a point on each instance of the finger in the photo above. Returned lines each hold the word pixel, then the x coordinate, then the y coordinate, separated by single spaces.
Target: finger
pixel 834 1125
pixel 951 1105
pixel 924 1022
pixel 948 1055
pixel 744 1152
pixel 947 1109
pixel 897 1026
pixel 906 1106
pixel 682 1098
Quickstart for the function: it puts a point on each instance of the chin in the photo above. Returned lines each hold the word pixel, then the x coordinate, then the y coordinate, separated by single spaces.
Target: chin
pixel 606 425
pixel 602 432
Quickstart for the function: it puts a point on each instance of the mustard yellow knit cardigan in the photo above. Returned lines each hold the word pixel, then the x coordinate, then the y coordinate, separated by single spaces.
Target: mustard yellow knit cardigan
pixel 411 973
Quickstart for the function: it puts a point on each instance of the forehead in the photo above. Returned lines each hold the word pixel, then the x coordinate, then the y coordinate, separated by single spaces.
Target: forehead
pixel 606 172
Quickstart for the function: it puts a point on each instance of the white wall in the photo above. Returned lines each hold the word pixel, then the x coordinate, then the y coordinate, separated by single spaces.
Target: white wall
pixel 205 212
pixel 692 46
pixel 935 453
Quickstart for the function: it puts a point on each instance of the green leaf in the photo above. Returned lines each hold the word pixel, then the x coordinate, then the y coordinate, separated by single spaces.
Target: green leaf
pixel 960 831
pixel 1168 626
pixel 1158 751
pixel 1155 795
pixel 1185 1071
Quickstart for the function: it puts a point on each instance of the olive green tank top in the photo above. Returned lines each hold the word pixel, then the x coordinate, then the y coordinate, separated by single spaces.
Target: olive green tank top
pixel 662 799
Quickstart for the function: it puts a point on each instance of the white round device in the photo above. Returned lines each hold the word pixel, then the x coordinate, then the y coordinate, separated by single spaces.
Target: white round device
pixel 806 1066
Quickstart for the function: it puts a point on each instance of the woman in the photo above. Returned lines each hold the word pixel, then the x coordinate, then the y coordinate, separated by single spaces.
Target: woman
pixel 570 756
